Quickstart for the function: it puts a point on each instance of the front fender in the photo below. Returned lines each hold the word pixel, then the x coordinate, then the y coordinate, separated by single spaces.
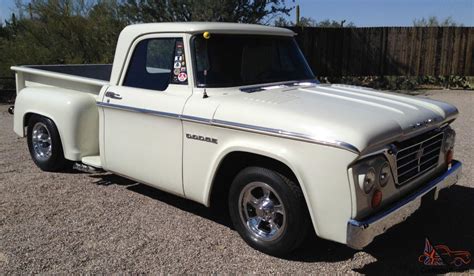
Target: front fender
pixel 320 170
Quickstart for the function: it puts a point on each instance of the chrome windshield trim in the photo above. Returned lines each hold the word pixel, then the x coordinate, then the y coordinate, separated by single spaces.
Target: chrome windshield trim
pixel 286 84
pixel 239 126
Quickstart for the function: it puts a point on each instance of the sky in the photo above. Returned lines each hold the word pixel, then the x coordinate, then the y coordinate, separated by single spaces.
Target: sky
pixel 373 13
pixel 363 13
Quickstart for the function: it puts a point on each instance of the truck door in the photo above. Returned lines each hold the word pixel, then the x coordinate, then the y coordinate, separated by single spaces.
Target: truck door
pixel 141 126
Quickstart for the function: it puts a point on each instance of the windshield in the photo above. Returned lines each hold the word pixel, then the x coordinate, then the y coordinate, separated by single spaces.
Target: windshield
pixel 237 60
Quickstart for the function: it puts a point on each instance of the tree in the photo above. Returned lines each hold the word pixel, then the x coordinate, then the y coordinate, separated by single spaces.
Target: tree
pixel 86 31
pixel 433 21
pixel 307 22
pixel 61 31
pixel 310 22
pixel 243 11
pixel 335 24
pixel 282 22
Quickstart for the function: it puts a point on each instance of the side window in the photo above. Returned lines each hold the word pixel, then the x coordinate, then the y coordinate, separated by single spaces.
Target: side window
pixel 156 63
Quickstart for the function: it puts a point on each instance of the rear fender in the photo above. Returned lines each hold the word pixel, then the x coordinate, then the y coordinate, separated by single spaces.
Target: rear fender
pixel 74 113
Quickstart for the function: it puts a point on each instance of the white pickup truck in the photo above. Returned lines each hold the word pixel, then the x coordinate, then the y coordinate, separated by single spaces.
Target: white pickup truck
pixel 223 113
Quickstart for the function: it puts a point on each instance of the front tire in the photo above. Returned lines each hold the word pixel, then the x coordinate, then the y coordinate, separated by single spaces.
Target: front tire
pixel 44 144
pixel 268 210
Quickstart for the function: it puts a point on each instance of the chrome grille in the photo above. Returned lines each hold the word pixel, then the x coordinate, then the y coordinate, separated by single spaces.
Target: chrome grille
pixel 418 155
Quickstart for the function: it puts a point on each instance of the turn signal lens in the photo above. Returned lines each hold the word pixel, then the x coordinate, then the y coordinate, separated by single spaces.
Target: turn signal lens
pixel 450 137
pixel 376 199
pixel 449 156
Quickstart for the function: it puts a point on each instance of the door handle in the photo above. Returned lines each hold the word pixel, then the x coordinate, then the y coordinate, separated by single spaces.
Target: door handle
pixel 113 95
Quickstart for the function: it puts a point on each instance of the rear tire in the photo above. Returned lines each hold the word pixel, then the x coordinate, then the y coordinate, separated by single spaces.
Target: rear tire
pixel 45 145
pixel 268 210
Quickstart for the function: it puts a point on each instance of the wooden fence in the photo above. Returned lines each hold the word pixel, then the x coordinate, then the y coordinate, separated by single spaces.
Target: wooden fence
pixel 398 51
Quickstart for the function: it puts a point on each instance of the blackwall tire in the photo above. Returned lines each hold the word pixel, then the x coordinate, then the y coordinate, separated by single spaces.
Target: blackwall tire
pixel 44 144
pixel 268 210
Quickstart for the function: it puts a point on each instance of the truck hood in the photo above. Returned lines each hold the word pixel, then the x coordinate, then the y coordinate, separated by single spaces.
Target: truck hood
pixel 355 117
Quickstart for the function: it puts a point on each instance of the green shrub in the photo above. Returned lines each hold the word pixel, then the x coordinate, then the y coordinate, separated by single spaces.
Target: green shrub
pixel 405 82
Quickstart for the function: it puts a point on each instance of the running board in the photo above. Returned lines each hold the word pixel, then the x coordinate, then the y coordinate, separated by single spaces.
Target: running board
pixel 93 161
pixel 89 164
pixel 85 168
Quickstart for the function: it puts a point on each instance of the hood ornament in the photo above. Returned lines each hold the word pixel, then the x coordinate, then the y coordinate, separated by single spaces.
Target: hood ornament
pixel 425 123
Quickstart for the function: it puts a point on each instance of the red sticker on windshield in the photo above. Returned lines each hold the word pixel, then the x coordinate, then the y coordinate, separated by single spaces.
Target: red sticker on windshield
pixel 182 77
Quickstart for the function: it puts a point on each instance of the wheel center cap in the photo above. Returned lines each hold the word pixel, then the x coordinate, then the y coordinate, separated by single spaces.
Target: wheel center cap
pixel 265 209
pixel 42 137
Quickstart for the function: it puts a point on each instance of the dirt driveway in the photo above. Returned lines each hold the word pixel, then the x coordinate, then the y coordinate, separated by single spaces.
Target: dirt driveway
pixel 75 222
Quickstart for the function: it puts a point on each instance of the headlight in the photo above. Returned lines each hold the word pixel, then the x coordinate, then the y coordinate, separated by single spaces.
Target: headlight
pixel 367 181
pixel 384 174
pixel 372 173
pixel 449 139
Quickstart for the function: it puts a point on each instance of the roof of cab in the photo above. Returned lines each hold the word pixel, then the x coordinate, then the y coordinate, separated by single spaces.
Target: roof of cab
pixel 132 32
pixel 197 27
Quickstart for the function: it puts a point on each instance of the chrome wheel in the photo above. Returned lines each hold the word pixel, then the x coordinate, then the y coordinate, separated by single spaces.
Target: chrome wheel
pixel 262 211
pixel 41 141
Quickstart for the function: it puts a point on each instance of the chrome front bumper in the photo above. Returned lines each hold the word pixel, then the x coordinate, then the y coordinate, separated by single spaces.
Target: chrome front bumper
pixel 361 233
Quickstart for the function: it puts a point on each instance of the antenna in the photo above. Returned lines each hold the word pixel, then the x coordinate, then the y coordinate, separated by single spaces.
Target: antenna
pixel 206 36
pixel 204 93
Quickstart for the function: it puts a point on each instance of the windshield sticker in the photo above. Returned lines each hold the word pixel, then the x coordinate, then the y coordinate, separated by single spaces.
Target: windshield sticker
pixel 182 77
pixel 179 47
pixel 180 74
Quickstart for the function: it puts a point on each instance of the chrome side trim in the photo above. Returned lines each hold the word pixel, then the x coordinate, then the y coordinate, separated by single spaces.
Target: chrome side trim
pixel 195 119
pixel 361 233
pixel 285 134
pixel 140 110
pixel 238 126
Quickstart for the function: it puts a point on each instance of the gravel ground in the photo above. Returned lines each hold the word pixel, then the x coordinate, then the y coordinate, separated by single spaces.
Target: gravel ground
pixel 102 223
